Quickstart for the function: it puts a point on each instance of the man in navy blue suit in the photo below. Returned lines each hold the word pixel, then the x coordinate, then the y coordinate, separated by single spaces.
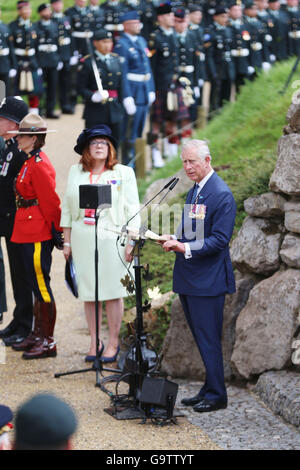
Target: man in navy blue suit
pixel 203 272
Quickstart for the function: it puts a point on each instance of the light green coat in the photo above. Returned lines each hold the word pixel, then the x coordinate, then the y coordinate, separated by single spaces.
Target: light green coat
pixel 125 203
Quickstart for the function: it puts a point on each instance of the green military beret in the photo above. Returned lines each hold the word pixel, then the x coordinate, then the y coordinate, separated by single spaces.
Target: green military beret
pixel 44 420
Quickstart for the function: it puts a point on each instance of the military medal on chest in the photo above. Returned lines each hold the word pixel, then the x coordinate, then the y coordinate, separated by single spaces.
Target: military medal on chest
pixel 198 211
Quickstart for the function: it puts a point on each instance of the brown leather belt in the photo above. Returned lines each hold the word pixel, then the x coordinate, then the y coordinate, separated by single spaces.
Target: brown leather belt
pixel 21 202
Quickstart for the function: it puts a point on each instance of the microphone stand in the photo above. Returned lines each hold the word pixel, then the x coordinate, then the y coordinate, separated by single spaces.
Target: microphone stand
pixel 97 365
pixel 137 361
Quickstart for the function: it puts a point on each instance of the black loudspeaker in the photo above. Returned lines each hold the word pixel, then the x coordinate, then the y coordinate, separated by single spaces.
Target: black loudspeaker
pixel 159 392
pixel 92 196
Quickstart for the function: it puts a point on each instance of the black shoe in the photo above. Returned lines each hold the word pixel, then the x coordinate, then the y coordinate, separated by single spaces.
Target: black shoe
pixel 15 338
pixel 9 330
pixel 206 406
pixel 68 110
pixel 52 116
pixel 192 401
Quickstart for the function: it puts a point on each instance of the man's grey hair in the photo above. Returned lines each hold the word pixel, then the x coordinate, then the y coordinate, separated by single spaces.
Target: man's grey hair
pixel 201 146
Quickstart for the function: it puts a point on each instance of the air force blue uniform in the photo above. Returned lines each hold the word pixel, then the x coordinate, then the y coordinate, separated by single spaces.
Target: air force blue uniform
pixel 203 280
pixel 137 83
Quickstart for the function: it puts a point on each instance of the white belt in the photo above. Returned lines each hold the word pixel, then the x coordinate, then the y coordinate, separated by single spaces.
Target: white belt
pixel 138 77
pixel 114 27
pixel 25 52
pixel 64 41
pixel 4 51
pixel 294 34
pixel 256 46
pixel 47 47
pixel 82 34
pixel 187 68
pixel 242 52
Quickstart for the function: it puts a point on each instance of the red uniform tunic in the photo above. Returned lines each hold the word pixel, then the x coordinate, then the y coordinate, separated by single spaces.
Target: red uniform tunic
pixel 36 180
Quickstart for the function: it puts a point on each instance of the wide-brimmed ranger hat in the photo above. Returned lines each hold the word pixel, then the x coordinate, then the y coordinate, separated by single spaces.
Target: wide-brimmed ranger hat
pixel 86 135
pixel 32 124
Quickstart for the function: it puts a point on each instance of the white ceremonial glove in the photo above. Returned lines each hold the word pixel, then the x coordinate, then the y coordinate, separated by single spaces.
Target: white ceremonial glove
pixel 200 82
pixel 12 73
pixel 251 69
pixel 39 72
pixel 197 92
pixel 272 57
pixel 266 66
pixel 59 66
pixel 97 97
pixel 74 60
pixel 151 97
pixel 129 105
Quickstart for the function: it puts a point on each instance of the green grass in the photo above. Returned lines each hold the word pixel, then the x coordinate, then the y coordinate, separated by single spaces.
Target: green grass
pixel 9 10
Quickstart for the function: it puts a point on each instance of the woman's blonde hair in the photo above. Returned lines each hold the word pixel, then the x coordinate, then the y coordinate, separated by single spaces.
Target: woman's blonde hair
pixel 111 160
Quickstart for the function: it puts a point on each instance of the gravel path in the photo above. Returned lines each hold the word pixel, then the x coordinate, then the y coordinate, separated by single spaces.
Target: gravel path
pixel 20 379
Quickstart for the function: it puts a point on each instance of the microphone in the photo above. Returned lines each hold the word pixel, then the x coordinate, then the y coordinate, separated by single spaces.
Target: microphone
pixel 172 186
pixel 169 183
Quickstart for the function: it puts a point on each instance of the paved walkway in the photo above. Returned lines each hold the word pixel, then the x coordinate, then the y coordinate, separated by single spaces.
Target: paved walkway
pixel 246 424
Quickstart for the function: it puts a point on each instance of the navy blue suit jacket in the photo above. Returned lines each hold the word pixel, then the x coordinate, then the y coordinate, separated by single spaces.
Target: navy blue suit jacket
pixel 209 272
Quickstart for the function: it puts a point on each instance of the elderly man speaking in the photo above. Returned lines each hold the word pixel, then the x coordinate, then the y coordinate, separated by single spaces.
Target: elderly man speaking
pixel 203 273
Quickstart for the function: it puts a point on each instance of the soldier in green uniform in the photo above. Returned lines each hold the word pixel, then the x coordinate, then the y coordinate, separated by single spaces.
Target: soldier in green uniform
pixel 66 55
pixel 24 38
pixel 48 56
pixel 293 13
pixel 259 46
pixel 102 106
pixel 278 28
pixel 8 63
pixel 168 107
pixel 240 44
pixel 223 73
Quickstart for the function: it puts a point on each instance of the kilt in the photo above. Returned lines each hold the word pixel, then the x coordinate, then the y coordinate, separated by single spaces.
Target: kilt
pixel 160 113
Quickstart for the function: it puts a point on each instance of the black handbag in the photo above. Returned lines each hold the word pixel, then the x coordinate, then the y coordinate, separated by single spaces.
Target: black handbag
pixel 70 277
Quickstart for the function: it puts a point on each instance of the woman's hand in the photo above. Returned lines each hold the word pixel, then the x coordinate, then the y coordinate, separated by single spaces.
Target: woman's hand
pixel 67 251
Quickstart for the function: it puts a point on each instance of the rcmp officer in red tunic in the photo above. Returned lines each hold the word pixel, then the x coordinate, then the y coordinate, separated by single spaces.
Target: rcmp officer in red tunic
pixel 36 227
pixel 12 111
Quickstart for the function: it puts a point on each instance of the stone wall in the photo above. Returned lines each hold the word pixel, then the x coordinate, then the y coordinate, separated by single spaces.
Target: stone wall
pixel 261 318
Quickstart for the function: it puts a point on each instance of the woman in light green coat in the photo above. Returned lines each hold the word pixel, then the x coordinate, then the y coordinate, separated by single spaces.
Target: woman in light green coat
pixel 98 165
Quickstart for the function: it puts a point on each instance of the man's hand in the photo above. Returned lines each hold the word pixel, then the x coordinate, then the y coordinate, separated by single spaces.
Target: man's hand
pixel 163 238
pixel 174 245
pixel 128 253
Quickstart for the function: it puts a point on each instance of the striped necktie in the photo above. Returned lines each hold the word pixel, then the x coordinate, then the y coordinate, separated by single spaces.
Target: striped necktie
pixel 195 193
